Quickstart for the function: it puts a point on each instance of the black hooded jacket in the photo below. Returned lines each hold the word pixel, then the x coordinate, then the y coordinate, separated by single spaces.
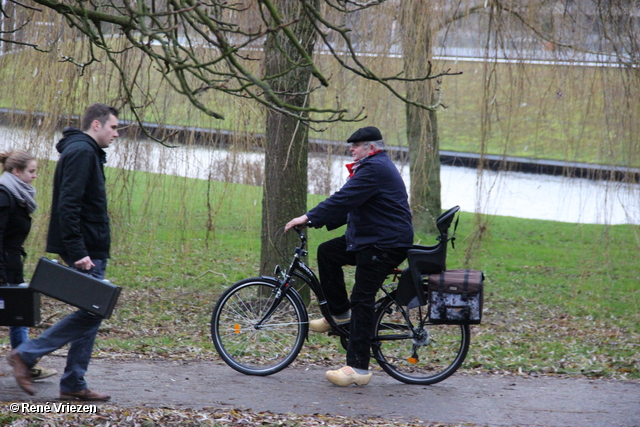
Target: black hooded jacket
pixel 79 224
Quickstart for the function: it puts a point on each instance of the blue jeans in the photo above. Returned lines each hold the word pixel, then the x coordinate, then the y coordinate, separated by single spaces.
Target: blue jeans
pixel 79 329
pixel 18 335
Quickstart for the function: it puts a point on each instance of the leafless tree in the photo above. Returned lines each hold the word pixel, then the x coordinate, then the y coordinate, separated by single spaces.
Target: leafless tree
pixel 215 46
pixel 203 46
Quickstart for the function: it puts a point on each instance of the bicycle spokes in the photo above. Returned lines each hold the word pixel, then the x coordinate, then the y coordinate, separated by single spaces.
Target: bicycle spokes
pixel 255 332
pixel 423 354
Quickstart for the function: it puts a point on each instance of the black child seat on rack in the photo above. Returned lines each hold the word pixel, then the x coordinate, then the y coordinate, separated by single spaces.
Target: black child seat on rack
pixel 456 297
pixel 425 260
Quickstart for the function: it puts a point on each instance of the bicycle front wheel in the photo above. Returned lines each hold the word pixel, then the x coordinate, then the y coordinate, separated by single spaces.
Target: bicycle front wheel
pixel 250 347
pixel 416 352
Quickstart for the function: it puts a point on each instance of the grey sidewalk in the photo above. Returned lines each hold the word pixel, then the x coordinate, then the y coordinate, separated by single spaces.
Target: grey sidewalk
pixel 478 399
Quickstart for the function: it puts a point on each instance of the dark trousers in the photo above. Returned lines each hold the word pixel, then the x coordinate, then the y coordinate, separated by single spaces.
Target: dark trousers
pixel 373 264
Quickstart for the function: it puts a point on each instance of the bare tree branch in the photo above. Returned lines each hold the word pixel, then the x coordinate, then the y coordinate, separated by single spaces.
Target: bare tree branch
pixel 175 34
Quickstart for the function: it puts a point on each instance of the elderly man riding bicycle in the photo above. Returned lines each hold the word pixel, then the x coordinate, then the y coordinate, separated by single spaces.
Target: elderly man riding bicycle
pixel 373 203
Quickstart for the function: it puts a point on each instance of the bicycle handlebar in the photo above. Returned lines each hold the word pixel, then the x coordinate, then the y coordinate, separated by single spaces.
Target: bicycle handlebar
pixel 301 235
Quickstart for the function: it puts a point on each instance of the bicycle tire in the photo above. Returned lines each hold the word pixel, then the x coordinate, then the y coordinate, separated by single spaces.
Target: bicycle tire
pixel 419 355
pixel 258 351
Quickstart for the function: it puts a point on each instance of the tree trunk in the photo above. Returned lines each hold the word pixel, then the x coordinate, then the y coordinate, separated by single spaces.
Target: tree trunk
pixel 285 184
pixel 424 164
pixel 422 125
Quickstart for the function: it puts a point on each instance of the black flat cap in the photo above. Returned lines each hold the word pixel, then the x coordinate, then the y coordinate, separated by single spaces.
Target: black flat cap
pixel 369 133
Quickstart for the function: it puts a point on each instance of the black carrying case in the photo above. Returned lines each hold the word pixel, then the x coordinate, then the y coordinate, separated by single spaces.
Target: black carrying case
pixel 19 306
pixel 73 287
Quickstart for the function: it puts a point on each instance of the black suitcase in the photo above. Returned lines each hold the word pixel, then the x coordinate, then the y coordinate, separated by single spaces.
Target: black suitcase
pixel 73 287
pixel 19 306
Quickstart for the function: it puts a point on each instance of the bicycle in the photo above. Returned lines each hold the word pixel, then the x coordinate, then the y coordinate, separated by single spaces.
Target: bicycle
pixel 259 324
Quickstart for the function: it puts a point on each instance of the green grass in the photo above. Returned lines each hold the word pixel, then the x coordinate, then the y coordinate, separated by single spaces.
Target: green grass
pixel 560 298
pixel 581 267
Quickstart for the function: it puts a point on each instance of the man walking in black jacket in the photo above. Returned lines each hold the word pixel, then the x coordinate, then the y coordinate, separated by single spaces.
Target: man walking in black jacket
pixel 374 205
pixel 79 232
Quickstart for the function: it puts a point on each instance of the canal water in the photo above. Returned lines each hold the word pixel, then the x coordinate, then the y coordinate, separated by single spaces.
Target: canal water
pixel 516 194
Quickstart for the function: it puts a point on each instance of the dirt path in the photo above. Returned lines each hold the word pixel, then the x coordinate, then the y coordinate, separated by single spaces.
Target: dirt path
pixel 475 399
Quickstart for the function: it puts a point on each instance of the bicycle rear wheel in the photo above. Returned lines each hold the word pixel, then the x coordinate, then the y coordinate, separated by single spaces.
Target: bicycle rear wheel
pixel 417 353
pixel 258 349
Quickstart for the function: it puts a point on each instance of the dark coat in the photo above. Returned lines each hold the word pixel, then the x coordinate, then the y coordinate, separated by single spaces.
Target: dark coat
pixel 374 205
pixel 15 224
pixel 79 224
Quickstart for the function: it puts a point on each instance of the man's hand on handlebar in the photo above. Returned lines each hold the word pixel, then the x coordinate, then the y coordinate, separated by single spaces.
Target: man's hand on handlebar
pixel 299 221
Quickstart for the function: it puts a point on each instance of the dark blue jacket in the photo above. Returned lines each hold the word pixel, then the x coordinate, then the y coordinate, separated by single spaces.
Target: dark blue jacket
pixel 79 224
pixel 374 205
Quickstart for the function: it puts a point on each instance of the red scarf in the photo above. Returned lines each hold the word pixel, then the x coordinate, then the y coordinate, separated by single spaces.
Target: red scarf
pixel 351 167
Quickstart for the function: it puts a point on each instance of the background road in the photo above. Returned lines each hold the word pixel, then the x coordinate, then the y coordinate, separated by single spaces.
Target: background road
pixel 487 400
